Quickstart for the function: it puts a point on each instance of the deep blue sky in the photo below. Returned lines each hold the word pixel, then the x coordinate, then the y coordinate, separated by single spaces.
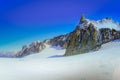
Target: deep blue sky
pixel 29 20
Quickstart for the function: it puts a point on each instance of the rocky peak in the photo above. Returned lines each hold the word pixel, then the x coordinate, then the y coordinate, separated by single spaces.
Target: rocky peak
pixel 59 41
pixel 83 39
pixel 89 35
pixel 34 47
pixel 82 19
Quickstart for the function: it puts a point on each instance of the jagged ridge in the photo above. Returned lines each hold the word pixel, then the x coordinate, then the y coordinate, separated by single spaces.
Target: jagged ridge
pixel 88 36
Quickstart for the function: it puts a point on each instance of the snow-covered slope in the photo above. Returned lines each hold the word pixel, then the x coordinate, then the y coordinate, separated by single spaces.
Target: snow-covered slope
pixel 99 65
pixel 48 62
pixel 105 23
pixel 47 53
pixel 88 35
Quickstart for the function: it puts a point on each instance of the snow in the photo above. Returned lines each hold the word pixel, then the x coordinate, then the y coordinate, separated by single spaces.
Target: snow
pixel 47 52
pixel 64 39
pixel 106 23
pixel 99 65
pixel 58 47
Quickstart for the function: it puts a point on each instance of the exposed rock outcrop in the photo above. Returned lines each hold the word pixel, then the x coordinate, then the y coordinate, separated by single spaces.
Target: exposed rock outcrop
pixel 83 40
pixel 82 19
pixel 109 34
pixel 59 40
pixel 88 37
pixel 35 47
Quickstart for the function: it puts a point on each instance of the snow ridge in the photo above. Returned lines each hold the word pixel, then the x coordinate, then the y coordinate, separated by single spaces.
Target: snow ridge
pixel 105 23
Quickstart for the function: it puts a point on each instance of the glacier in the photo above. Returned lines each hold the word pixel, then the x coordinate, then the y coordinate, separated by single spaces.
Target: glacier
pixel 98 65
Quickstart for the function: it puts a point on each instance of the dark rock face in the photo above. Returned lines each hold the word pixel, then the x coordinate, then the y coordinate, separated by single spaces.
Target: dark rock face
pixel 108 35
pixel 35 47
pixel 82 19
pixel 87 38
pixel 59 41
pixel 83 40
pixel 115 34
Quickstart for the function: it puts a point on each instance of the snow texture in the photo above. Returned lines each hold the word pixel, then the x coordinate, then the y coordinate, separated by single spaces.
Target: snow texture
pixel 99 65
pixel 104 23
pixel 107 23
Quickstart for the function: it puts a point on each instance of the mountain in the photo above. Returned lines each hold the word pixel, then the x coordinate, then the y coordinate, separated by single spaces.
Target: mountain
pixel 89 35
pixel 34 47
pixel 97 65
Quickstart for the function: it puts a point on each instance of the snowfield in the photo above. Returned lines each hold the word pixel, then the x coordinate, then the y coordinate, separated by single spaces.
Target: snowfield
pixel 105 23
pixel 100 65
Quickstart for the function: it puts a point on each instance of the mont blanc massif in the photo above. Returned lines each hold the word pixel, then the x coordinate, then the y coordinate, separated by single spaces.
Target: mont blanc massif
pixel 89 35
pixel 89 52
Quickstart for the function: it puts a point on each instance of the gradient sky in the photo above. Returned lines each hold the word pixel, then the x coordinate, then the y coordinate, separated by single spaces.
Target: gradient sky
pixel 24 21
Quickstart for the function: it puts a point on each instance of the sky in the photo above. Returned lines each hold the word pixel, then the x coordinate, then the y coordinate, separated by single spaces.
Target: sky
pixel 24 21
